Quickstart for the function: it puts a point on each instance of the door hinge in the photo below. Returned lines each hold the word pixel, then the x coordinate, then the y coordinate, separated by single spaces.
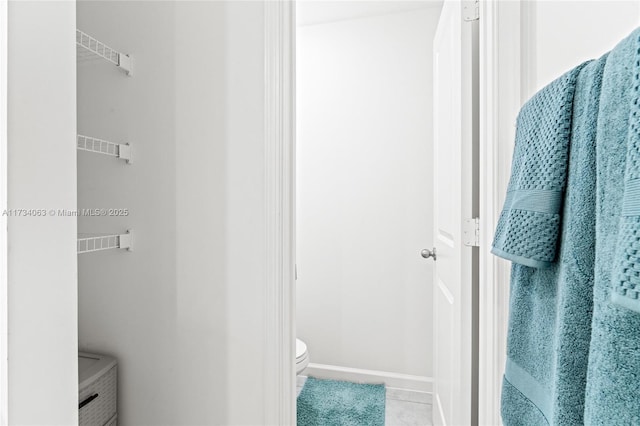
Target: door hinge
pixel 470 10
pixel 471 232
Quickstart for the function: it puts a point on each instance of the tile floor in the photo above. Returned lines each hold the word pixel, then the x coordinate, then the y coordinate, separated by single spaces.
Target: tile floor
pixel 404 408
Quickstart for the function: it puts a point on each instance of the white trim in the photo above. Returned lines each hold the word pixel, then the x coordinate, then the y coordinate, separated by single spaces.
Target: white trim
pixel 500 99
pixel 439 411
pixel 358 375
pixel 279 351
pixel 528 49
pixel 4 304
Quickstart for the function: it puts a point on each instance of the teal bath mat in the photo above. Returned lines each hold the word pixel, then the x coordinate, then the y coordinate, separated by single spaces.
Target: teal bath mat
pixel 334 403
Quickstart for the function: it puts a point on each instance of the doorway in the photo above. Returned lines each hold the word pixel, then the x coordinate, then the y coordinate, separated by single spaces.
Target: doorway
pixel 366 155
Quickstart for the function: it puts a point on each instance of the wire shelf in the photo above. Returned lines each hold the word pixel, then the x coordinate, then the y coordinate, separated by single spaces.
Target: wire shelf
pixel 89 49
pixel 88 243
pixel 101 146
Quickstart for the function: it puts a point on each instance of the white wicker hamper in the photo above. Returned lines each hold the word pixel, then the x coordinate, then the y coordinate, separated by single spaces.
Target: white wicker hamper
pixel 98 390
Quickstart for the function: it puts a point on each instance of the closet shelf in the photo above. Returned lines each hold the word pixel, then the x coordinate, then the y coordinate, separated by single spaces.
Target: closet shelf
pixel 88 243
pixel 101 146
pixel 88 48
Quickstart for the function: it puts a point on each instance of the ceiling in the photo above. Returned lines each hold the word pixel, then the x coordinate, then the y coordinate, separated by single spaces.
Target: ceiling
pixel 311 12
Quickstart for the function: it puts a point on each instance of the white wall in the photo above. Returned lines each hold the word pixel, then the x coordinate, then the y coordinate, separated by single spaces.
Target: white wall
pixel 182 312
pixel 311 12
pixel 127 300
pixel 364 145
pixel 201 169
pixel 219 135
pixel 42 274
pixel 559 35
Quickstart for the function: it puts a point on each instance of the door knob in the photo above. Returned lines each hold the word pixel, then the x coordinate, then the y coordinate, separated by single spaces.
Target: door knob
pixel 426 253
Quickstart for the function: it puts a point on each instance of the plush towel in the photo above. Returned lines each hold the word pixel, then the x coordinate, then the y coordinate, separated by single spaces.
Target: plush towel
pixel 626 279
pixel 529 224
pixel 550 308
pixel 613 380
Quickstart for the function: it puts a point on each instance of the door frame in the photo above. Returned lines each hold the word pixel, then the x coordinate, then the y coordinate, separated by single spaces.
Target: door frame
pixel 500 100
pixel 4 296
pixel 279 209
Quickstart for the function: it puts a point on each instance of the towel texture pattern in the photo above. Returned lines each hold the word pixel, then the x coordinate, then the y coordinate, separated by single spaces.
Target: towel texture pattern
pixel 550 308
pixel 573 343
pixel 626 285
pixel 613 380
pixel 529 225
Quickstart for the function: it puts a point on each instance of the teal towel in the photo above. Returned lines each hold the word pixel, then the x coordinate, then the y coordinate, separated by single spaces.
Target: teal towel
pixel 550 308
pixel 529 225
pixel 626 279
pixel 613 380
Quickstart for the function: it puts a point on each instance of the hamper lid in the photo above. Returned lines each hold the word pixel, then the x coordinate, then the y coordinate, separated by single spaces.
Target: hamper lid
pixel 92 366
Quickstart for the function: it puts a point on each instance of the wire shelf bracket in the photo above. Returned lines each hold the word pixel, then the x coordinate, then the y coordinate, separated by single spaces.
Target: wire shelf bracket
pixel 93 243
pixel 88 48
pixel 101 146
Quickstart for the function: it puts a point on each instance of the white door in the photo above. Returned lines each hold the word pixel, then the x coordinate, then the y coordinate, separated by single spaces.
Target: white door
pixel 453 130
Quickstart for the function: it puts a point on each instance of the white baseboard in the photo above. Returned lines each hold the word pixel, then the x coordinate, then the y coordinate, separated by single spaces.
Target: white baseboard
pixel 391 380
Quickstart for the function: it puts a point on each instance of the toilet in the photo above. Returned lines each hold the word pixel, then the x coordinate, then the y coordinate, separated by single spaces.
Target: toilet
pixel 302 356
